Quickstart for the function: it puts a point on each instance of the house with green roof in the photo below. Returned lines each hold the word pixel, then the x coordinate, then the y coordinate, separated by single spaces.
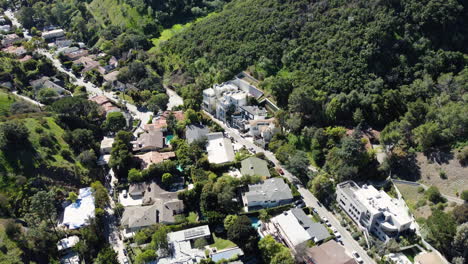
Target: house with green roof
pixel 255 166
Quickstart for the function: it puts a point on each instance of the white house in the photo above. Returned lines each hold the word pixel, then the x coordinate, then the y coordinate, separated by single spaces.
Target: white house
pixel 219 148
pixel 56 33
pixel 77 213
pixel 180 246
pixel 373 210
pixel 295 227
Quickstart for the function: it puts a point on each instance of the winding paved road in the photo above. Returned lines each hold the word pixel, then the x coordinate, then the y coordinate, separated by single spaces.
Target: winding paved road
pixel 349 243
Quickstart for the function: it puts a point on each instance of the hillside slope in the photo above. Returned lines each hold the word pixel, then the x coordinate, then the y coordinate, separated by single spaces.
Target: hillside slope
pixel 332 57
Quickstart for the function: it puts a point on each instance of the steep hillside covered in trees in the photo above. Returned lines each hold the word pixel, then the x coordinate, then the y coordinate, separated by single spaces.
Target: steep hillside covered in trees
pixel 333 62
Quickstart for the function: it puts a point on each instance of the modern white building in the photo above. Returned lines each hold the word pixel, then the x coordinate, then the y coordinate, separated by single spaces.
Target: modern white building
pixel 373 210
pixel 56 33
pixel 76 214
pixel 230 101
pixel 219 148
pixel 180 246
pixel 294 227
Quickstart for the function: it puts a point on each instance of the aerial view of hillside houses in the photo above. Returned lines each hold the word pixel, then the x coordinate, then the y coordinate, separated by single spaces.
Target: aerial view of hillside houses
pixel 233 132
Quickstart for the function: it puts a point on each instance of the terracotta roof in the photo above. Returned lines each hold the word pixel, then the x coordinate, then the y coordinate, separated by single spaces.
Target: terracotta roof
pixel 160 122
pixel 154 157
pixel 99 99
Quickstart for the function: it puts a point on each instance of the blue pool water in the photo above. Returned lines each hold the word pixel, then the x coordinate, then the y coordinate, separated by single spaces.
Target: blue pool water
pixel 256 223
pixel 169 138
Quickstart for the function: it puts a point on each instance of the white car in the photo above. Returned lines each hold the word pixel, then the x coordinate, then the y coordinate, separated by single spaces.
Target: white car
pixel 337 234
pixel 357 257
pixel 333 229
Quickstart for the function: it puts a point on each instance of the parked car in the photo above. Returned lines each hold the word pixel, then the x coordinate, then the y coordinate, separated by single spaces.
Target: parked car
pixel 337 234
pixel 125 252
pixel 125 261
pixel 299 204
pixel 314 210
pixel 279 170
pixel 357 257
pixel 124 192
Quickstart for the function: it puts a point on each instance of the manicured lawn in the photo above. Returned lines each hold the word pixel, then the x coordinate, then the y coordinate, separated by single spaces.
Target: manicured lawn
pixel 222 243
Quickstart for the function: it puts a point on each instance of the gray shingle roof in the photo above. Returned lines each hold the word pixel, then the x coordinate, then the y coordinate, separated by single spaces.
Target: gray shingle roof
pixel 255 166
pixel 315 230
pixel 196 132
pixel 160 212
pixel 272 189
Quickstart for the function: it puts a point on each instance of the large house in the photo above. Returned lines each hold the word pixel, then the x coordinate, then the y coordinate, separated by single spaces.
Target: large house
pixel 294 228
pixel 56 33
pixel 77 214
pixel 181 246
pixel 219 148
pixel 66 252
pixel 10 39
pixel 262 130
pixel 373 210
pixel 255 166
pixel 50 83
pixel 269 193
pixel 196 132
pixel 149 141
pixel 154 157
pixel 135 218
pixel 328 253
pixel 160 121
pixel 159 206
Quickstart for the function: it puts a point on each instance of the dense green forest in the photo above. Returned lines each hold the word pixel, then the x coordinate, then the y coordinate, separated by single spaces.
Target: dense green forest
pixel 339 62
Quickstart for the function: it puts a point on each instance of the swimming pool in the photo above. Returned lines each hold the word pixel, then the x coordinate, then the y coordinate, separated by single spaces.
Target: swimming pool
pixel 256 223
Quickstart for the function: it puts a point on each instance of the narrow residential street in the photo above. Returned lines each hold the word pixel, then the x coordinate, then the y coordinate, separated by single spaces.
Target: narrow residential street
pixel 93 90
pixel 349 243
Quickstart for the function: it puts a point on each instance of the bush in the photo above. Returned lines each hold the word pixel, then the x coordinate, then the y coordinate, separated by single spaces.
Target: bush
pixel 462 156
pixel 355 236
pixel 66 154
pixel 464 195
pixel 433 195
pixel 420 203
pixel 442 174
pixel 200 243
pixel 420 189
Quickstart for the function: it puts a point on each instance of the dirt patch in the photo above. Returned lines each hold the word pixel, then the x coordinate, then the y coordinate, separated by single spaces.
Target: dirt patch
pixel 431 166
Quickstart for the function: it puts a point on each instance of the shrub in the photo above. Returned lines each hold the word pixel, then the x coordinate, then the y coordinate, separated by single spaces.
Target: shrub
pixel 200 243
pixel 464 195
pixel 420 189
pixel 420 203
pixel 433 195
pixel 462 156
pixel 355 236
pixel 442 174
pixel 66 154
